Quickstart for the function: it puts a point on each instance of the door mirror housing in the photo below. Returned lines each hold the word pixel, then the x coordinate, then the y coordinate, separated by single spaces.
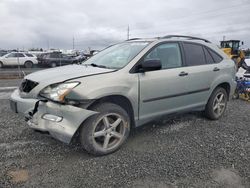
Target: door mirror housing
pixel 151 65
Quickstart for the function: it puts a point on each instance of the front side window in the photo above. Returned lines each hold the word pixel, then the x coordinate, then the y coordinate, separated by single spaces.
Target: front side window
pixel 11 55
pixel 194 54
pixel 55 55
pixel 169 54
pixel 117 56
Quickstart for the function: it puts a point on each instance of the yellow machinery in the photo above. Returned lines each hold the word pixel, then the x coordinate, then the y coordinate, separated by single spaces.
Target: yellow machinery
pixel 232 49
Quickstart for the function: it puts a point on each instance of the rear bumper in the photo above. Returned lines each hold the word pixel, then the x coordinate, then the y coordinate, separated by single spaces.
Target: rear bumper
pixel 65 121
pixel 232 88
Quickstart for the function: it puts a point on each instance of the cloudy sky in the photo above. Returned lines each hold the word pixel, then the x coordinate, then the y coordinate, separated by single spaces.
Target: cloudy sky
pixel 98 23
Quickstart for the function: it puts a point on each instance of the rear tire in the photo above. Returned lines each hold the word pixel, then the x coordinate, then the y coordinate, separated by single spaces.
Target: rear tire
pixel 28 64
pixel 216 104
pixel 106 131
pixel 1 65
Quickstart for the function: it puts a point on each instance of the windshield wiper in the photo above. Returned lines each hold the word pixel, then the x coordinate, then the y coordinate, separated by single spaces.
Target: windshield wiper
pixel 100 66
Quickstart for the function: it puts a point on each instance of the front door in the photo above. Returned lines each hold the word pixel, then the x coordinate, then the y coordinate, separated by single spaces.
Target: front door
pixel 163 91
pixel 11 59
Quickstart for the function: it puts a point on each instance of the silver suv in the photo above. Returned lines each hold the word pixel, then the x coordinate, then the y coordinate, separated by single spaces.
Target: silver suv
pixel 125 86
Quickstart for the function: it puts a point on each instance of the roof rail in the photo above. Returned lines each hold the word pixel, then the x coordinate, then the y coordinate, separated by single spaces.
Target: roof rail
pixel 184 36
pixel 132 39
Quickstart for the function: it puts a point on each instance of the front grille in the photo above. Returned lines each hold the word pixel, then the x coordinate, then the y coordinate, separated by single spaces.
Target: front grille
pixel 27 85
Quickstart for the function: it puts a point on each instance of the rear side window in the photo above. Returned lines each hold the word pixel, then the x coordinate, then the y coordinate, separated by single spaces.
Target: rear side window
pixel 19 55
pixel 194 54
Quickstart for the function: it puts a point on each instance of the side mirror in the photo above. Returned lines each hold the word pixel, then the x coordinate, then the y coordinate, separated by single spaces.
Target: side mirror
pixel 151 65
pixel 242 43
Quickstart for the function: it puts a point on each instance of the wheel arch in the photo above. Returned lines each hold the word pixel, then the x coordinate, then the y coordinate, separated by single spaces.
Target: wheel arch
pixel 121 101
pixel 224 85
pixel 29 61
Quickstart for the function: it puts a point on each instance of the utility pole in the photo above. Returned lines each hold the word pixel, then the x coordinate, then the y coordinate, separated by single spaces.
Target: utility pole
pixel 128 33
pixel 48 44
pixel 224 38
pixel 73 43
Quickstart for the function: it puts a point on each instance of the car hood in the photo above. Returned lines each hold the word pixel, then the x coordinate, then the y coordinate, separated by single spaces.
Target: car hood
pixel 60 74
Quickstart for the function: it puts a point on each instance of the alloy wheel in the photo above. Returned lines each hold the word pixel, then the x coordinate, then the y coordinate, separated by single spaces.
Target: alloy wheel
pixel 219 104
pixel 109 131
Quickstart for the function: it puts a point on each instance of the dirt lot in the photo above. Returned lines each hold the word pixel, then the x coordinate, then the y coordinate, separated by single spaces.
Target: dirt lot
pixel 185 151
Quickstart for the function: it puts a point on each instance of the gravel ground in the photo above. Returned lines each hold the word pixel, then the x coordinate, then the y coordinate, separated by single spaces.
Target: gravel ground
pixel 185 151
pixel 9 82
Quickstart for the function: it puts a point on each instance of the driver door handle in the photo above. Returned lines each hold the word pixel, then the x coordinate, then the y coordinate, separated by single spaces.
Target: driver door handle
pixel 183 73
pixel 216 69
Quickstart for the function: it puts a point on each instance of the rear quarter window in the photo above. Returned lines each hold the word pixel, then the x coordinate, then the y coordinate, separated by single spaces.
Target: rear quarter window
pixel 29 55
pixel 209 58
pixel 216 57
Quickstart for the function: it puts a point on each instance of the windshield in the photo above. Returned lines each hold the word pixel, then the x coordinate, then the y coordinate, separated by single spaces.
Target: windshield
pixel 117 56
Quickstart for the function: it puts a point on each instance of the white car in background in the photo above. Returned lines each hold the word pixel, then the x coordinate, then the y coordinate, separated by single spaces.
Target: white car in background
pixel 18 58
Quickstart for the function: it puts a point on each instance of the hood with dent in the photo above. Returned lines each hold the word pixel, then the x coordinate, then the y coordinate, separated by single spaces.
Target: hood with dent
pixel 59 74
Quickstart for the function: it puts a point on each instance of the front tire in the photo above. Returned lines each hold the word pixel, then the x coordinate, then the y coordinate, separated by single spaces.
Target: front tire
pixel 53 64
pixel 106 131
pixel 1 65
pixel 216 104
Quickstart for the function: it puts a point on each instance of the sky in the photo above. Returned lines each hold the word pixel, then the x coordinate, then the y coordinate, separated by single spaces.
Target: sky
pixel 96 24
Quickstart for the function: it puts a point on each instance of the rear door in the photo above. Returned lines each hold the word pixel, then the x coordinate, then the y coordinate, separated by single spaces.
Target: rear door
pixel 201 72
pixel 20 58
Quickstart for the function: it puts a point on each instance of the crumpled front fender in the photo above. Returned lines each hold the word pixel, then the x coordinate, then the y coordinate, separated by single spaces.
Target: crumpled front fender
pixel 64 130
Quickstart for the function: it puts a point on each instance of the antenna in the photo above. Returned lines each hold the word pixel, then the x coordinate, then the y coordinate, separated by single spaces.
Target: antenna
pixel 128 33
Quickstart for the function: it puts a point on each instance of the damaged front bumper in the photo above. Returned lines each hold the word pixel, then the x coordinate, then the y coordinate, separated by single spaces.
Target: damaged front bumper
pixel 60 121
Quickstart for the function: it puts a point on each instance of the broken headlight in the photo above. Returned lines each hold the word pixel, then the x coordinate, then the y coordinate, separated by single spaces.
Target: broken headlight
pixel 57 92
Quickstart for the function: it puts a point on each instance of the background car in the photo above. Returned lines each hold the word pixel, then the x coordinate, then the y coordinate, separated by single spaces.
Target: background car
pixel 54 59
pixel 3 52
pixel 18 58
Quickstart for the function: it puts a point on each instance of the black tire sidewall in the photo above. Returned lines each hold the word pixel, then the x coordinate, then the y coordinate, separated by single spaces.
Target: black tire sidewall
pixel 86 137
pixel 1 64
pixel 53 64
pixel 28 64
pixel 209 112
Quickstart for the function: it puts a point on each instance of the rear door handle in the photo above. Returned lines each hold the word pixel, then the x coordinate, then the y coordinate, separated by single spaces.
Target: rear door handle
pixel 183 73
pixel 216 69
